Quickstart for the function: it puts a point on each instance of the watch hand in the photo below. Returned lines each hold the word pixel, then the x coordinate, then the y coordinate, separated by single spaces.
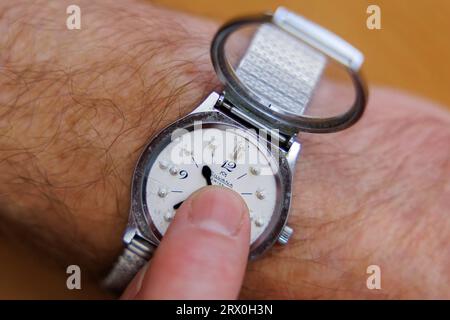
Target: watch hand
pixel 206 173
pixel 178 205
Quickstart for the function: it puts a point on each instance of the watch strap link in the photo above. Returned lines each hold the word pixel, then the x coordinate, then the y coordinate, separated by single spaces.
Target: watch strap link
pixel 135 255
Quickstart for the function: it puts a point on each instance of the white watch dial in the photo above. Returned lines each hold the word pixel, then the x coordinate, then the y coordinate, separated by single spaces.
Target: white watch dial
pixel 229 158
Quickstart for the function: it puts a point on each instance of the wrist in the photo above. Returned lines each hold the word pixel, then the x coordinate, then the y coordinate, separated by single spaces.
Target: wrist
pixel 372 195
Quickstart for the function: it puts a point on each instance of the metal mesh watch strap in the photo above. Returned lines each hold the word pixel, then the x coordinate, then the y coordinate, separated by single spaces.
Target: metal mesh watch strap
pixel 135 255
pixel 281 69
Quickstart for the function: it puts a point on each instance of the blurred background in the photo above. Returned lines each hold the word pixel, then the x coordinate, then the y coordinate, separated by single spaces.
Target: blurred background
pixel 410 52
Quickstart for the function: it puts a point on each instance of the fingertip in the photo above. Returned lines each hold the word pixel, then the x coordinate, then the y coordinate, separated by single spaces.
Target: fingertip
pixel 204 252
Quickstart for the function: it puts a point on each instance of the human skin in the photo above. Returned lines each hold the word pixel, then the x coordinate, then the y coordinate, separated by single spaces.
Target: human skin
pixel 77 107
pixel 204 252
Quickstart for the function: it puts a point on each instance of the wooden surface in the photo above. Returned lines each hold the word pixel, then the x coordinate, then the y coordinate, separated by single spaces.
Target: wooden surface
pixel 411 52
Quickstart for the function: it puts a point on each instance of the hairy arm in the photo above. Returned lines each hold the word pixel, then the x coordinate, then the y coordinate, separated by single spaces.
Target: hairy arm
pixel 76 108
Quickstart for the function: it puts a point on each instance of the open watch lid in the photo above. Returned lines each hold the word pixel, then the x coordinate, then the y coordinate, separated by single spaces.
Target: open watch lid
pixel 277 75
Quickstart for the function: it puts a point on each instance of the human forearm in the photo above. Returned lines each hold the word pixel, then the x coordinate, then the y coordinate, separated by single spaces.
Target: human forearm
pixel 79 106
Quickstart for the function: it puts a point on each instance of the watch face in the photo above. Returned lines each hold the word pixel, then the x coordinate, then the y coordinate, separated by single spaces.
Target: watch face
pixel 213 154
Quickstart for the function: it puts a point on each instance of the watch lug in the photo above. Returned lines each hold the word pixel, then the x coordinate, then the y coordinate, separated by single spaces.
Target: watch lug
pixel 132 232
pixel 129 234
pixel 208 104
pixel 137 243
pixel 293 154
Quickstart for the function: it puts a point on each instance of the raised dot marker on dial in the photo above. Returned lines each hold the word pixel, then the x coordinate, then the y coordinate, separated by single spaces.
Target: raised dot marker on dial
pixel 162 192
pixel 169 216
pixel 163 164
pixel 260 194
pixel 255 171
pixel 173 170
pixel 259 222
pixel 187 151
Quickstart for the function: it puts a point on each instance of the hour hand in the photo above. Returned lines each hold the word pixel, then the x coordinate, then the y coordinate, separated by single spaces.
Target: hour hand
pixel 206 173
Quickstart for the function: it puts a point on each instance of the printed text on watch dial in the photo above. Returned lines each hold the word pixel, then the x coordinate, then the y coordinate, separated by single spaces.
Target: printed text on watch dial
pixel 228 158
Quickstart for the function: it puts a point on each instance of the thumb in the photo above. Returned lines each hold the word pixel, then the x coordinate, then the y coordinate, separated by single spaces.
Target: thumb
pixel 204 252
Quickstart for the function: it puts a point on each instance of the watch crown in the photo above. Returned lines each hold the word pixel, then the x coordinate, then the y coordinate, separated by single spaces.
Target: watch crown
pixel 285 235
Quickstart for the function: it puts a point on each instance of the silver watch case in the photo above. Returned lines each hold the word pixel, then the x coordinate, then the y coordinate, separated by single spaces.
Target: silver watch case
pixel 140 222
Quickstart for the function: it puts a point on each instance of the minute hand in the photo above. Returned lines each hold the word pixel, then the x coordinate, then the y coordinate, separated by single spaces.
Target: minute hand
pixel 206 173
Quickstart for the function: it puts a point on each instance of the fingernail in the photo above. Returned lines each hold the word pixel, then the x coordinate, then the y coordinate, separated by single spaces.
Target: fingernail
pixel 141 276
pixel 218 209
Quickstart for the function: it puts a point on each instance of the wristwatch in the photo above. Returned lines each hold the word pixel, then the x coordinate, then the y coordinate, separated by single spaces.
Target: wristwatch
pixel 244 138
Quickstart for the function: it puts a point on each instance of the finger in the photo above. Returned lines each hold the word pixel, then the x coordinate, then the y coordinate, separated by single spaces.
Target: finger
pixel 204 252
